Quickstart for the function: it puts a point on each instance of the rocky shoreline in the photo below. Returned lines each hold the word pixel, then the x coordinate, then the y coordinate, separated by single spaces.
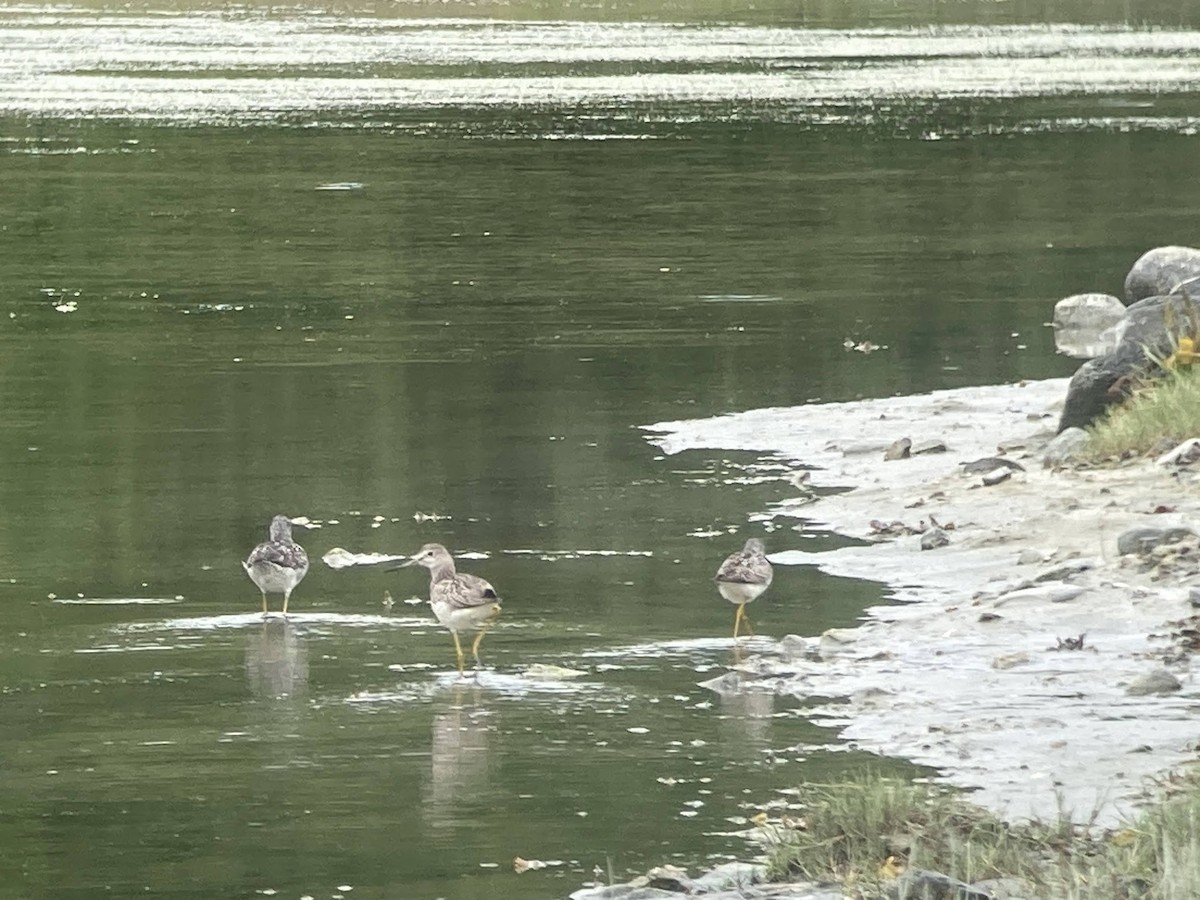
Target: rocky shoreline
pixel 748 881
pixel 1027 659
pixel 730 881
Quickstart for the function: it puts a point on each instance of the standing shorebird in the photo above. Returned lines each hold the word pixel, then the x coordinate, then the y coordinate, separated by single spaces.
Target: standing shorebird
pixel 743 577
pixel 461 602
pixel 278 564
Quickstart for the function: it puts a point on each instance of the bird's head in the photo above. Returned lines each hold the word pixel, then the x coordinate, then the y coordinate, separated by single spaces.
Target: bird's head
pixel 281 528
pixel 430 556
pixel 755 546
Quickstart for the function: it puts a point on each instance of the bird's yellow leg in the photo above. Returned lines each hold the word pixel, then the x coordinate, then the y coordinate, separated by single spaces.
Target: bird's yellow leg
pixel 264 595
pixel 737 620
pixel 286 597
pixel 458 650
pixel 476 642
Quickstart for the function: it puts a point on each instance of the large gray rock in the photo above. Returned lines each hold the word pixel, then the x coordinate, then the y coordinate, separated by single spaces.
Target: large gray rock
pixel 1098 384
pixel 1156 323
pixel 1082 323
pixel 1160 271
pixel 1065 447
pixel 1148 334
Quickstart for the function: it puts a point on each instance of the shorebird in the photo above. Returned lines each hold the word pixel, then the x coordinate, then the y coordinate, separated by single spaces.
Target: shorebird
pixel 461 602
pixel 743 577
pixel 278 564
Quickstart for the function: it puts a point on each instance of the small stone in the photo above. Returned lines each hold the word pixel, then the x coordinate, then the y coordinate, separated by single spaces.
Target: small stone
pixel 1145 538
pixel 1182 455
pixel 835 641
pixel 862 447
pixel 898 449
pixel 792 646
pixel 1194 597
pixel 1159 681
pixel 670 878
pixel 1067 569
pixel 990 464
pixel 931 446
pixel 1010 661
pixel 1029 557
pixel 731 875
pixel 727 683
pixel 1013 445
pixel 1138 540
pixel 1065 447
pixel 934 538
pixel 996 476
pixel 1049 592
pixel 873 697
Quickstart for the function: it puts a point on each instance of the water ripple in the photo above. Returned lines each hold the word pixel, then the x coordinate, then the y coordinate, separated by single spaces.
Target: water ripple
pixel 240 67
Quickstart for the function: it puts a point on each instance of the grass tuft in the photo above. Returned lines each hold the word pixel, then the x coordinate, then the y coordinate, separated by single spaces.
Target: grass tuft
pixel 1165 411
pixel 862 834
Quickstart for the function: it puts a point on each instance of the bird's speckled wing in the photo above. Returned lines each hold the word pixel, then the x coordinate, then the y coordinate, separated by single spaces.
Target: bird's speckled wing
pixel 463 592
pixel 745 568
pixel 286 555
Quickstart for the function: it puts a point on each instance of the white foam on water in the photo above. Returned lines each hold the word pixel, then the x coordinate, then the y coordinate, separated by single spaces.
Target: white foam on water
pixel 688 647
pixel 553 555
pixel 127 648
pixel 249 620
pixel 341 558
pixel 116 601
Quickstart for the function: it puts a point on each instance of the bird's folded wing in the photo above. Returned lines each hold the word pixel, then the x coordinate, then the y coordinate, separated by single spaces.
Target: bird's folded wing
pixel 472 591
pixel 286 556
pixel 742 571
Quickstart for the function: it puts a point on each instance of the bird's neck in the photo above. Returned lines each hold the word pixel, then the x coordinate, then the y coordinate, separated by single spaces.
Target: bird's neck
pixel 442 571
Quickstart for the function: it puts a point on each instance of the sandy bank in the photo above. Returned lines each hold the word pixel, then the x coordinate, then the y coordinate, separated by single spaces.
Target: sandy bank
pixel 965 674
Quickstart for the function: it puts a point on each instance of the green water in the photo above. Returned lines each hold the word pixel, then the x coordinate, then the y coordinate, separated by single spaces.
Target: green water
pixel 194 337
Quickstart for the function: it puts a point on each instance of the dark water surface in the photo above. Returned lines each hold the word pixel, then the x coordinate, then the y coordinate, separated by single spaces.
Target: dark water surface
pixel 421 279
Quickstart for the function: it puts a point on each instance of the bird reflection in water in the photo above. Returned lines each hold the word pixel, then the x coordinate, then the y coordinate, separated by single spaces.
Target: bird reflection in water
pixel 460 758
pixel 747 709
pixel 276 660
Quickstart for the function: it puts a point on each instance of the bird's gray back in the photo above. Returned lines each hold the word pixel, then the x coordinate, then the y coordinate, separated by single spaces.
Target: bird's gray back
pixel 462 591
pixel 285 554
pixel 745 568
